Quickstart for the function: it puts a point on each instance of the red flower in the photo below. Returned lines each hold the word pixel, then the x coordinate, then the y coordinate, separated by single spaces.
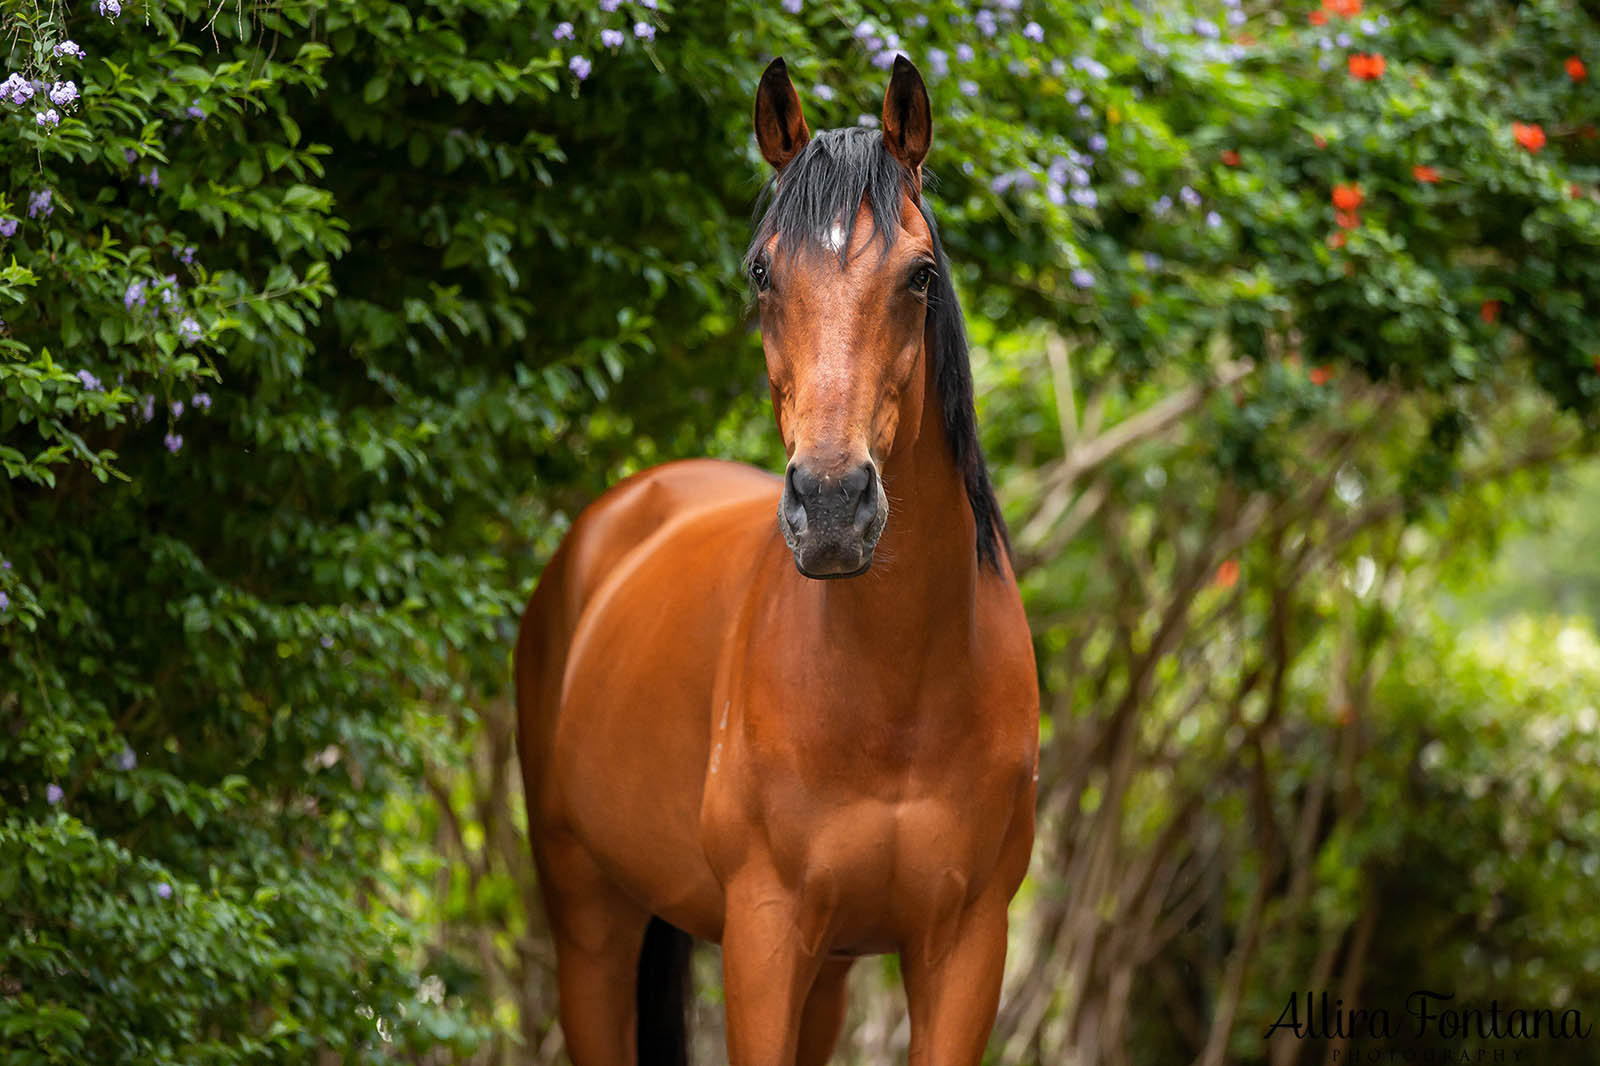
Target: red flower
pixel 1575 191
pixel 1347 219
pixel 1528 134
pixel 1490 311
pixel 1319 18
pixel 1576 70
pixel 1319 140
pixel 1347 8
pixel 1321 375
pixel 1424 173
pixel 1348 197
pixel 1230 157
pixel 1367 67
pixel 1228 574
pixel 1336 240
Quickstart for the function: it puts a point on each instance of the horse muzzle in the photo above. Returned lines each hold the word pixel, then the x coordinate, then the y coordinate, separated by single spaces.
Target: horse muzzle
pixel 832 522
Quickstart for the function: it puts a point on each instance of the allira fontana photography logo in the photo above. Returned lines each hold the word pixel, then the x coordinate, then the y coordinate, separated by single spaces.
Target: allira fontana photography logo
pixel 1425 1016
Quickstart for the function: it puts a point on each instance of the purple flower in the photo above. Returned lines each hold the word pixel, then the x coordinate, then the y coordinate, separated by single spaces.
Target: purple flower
pixel 884 59
pixel 1343 40
pixel 938 62
pixel 69 48
pixel 649 5
pixel 8 226
pixel 1082 278
pixel 326 641
pixel 52 791
pixel 177 408
pixel 152 179
pixel 1011 5
pixel 186 255
pixel 5 601
pixel 611 38
pixel 1033 31
pixel 969 88
pixel 110 9
pixel 1213 219
pixel 147 407
pixel 964 53
pixel 1085 198
pixel 48 119
pixel 985 22
pixel 563 31
pixel 134 297
pixel 644 31
pixel 870 121
pixel 823 92
pixel 1205 29
pixel 1078 175
pixel 1097 142
pixel 1092 67
pixel 196 112
pixel 1189 196
pixel 1132 178
pixel 1161 206
pixel 1056 194
pixel 1074 95
pixel 173 441
pixel 609 6
pixel 1237 18
pixel 793 6
pixel 129 154
pixel 1152 261
pixel 864 30
pixel 1085 111
pixel 127 760
pixel 90 382
pixel 17 89
pixel 164 890
pixel 188 332
pixel 63 93
pixel 39 204
pixel 201 401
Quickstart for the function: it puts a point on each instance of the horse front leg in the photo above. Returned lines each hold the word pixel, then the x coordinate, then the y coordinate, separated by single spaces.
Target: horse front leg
pixel 772 952
pixel 953 986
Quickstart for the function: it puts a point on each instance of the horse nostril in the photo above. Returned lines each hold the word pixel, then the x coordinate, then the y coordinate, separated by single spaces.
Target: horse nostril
pixel 861 485
pixel 794 509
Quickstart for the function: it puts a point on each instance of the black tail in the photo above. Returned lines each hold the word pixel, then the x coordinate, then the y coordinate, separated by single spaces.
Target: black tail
pixel 663 995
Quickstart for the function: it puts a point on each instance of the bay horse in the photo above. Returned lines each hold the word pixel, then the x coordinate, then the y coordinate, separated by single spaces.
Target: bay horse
pixel 795 716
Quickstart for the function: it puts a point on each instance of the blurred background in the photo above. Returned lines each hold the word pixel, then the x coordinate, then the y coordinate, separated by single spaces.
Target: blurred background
pixel 322 321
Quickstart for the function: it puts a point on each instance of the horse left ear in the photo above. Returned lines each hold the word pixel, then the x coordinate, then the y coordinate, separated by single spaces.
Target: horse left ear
pixel 907 116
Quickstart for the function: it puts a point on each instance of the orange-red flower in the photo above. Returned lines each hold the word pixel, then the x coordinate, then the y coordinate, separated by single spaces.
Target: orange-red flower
pixel 1367 67
pixel 1576 70
pixel 1319 18
pixel 1528 134
pixel 1347 219
pixel 1319 140
pixel 1348 197
pixel 1490 311
pixel 1228 573
pixel 1230 157
pixel 1347 8
pixel 1321 375
pixel 1575 191
pixel 1336 239
pixel 1424 173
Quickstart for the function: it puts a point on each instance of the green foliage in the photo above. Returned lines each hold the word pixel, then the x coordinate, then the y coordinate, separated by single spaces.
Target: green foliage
pixel 336 313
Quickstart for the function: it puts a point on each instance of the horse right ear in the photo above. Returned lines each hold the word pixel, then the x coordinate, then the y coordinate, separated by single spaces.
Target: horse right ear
pixel 780 126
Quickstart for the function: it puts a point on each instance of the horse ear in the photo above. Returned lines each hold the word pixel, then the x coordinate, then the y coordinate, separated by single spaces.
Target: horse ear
pixel 907 116
pixel 780 126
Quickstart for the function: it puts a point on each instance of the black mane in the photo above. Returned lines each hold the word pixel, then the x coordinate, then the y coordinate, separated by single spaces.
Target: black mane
pixel 826 183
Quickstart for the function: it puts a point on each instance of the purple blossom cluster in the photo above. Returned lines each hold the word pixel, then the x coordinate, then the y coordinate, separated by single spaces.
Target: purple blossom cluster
pixel 70 50
pixel 8 226
pixel 16 90
pixel 63 93
pixel 110 9
pixel 40 205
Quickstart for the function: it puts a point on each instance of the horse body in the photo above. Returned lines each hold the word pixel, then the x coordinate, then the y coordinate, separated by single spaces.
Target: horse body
pixel 802 770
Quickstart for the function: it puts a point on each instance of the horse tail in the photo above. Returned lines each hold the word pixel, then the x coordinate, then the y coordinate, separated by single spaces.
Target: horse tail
pixel 662 992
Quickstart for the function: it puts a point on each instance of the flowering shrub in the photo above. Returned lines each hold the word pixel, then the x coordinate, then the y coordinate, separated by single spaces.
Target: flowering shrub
pixel 320 320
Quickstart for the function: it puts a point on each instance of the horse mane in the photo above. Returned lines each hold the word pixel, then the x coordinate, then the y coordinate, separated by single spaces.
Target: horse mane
pixel 826 183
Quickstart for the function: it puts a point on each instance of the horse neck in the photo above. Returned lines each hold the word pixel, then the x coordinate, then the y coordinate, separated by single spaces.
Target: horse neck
pixel 926 564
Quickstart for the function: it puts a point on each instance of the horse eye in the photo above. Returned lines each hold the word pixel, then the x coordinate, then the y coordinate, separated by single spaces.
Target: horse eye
pixel 921 279
pixel 758 274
